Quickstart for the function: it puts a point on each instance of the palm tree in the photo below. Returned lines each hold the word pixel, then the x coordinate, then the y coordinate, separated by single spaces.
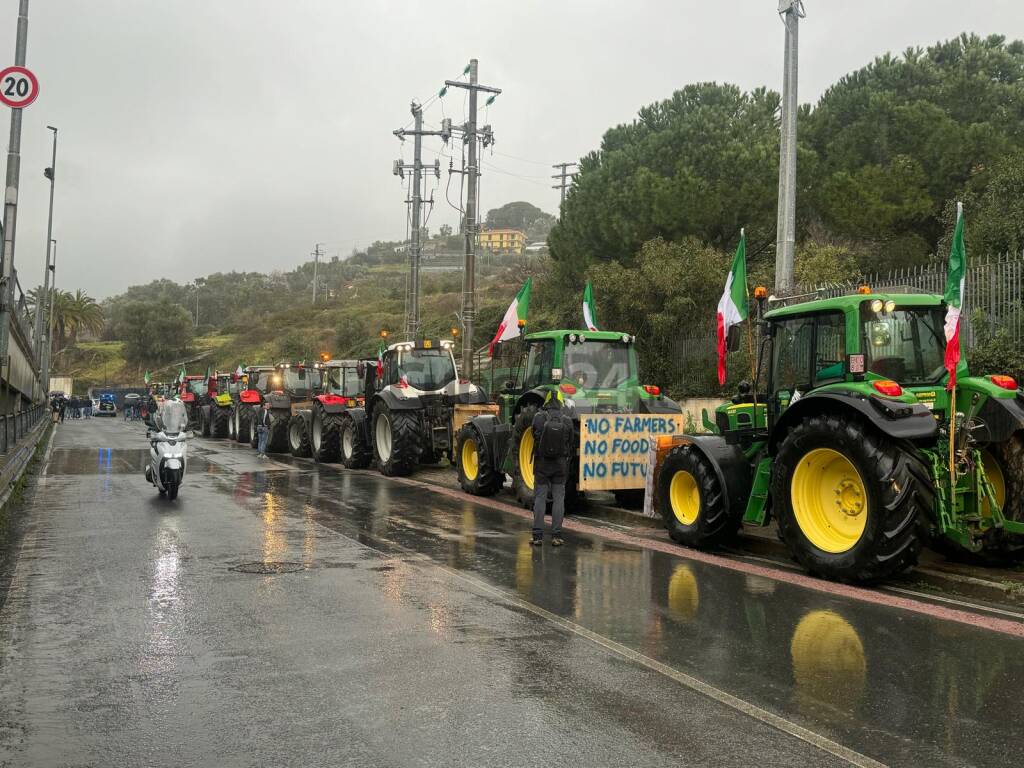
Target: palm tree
pixel 72 314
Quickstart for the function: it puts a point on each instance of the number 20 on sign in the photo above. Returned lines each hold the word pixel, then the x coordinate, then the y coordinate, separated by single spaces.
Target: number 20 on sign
pixel 18 87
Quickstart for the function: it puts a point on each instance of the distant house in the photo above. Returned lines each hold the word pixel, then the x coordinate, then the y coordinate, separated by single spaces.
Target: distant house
pixel 503 241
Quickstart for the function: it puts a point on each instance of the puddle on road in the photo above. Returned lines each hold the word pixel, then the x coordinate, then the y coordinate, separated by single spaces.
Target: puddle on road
pixel 106 461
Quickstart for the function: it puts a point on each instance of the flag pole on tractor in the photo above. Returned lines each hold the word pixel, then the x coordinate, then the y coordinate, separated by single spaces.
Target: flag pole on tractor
pixel 514 321
pixel 954 297
pixel 732 307
pixel 589 308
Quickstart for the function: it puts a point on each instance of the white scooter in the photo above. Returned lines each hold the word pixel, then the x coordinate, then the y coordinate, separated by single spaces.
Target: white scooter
pixel 168 448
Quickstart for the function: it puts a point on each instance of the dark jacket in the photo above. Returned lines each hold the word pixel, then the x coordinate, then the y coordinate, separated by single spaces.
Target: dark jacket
pixel 553 468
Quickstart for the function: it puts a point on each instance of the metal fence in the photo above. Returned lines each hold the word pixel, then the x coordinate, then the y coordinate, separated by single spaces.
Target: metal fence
pixel 17 425
pixel 686 364
pixel 994 287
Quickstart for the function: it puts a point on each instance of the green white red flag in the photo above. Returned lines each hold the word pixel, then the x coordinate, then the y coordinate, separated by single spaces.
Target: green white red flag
pixel 954 296
pixel 146 378
pixel 514 321
pixel 589 308
pixel 380 360
pixel 732 307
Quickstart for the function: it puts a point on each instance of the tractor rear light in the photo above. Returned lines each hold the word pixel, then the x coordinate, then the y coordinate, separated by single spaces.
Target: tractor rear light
pixel 567 389
pixel 1006 382
pixel 651 389
pixel 887 388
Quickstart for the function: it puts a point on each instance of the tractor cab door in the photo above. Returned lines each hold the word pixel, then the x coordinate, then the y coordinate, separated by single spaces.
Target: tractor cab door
pixel 807 352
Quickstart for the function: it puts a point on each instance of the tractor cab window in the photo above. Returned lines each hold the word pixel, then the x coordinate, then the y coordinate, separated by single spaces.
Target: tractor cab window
pixel 428 369
pixel 829 349
pixel 197 387
pixel 791 364
pixel 539 362
pixel 342 381
pixel 598 364
pixel 262 380
pixel 295 379
pixel 905 344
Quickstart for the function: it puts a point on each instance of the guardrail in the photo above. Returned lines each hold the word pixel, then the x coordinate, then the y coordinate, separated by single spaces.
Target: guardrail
pixel 17 425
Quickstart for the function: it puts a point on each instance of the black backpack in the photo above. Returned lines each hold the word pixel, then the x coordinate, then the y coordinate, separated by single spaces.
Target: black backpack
pixel 554 437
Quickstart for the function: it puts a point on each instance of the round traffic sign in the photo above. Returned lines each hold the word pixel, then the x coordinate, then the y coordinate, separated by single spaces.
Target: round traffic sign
pixel 18 87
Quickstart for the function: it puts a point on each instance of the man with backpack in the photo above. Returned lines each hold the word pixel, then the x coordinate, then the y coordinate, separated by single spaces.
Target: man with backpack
pixel 554 436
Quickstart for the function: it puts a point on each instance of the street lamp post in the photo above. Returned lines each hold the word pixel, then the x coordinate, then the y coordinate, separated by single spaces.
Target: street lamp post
pixel 51 174
pixel 49 296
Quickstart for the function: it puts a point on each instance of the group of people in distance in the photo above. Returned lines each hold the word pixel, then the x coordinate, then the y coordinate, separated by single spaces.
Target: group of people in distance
pixel 73 407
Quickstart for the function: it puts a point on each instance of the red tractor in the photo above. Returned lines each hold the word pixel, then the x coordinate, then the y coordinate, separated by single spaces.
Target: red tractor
pixel 315 426
pixel 192 390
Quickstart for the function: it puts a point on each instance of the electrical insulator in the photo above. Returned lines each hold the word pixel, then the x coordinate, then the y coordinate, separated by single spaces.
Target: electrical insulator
pixel 397 169
pixel 437 169
pixel 446 129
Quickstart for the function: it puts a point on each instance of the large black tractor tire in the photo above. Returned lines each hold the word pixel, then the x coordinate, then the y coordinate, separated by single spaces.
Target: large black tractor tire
pixel 326 435
pixel 630 498
pixel 254 435
pixel 219 421
pixel 691 500
pixel 852 505
pixel 298 437
pixel 397 440
pixel 478 474
pixel 522 464
pixel 277 439
pixel 356 451
pixel 204 422
pixel 232 426
pixel 243 418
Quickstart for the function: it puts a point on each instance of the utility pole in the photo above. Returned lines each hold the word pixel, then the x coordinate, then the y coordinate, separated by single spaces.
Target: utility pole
pixel 317 253
pixel 412 303
pixel 472 225
pixel 11 210
pixel 48 348
pixel 791 11
pixel 565 176
pixel 51 174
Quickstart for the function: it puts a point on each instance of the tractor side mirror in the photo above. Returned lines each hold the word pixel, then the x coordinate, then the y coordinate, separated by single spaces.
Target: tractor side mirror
pixel 302 374
pixel 732 341
pixel 508 385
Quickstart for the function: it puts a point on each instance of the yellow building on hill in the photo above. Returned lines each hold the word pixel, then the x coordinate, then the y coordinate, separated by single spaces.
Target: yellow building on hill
pixel 503 241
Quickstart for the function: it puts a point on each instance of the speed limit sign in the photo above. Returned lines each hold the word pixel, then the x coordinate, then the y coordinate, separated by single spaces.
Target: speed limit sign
pixel 18 87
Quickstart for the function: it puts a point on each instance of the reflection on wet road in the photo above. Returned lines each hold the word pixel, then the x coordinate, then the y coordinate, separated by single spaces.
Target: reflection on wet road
pixel 425 630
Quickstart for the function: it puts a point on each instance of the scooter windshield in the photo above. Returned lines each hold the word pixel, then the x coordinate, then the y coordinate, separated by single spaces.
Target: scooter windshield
pixel 173 418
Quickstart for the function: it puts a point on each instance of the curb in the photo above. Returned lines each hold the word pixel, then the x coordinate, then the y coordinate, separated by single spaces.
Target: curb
pixel 18 460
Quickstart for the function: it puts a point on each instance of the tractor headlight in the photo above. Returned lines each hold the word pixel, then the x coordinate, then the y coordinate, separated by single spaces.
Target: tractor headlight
pixel 890 306
pixel 625 338
pixel 572 338
pixel 877 305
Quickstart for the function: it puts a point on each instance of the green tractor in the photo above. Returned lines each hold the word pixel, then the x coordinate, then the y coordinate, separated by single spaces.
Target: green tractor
pixel 595 371
pixel 853 445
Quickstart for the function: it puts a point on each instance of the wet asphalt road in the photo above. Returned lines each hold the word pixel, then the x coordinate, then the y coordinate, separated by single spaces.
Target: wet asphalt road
pixel 423 630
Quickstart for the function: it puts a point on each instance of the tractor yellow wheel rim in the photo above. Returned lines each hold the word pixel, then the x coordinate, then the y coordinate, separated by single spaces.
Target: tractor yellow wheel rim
pixel 994 473
pixel 684 496
pixel 526 457
pixel 470 459
pixel 830 500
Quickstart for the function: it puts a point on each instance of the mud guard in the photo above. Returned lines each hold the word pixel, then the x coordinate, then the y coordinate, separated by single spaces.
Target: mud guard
pixel 1000 418
pixel 331 403
pixel 731 467
pixel 494 437
pixel 399 403
pixel 279 400
pixel 900 421
pixel 362 423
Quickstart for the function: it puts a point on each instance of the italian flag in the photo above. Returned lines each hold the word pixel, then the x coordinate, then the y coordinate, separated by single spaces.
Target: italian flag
pixel 732 307
pixel 954 296
pixel 380 360
pixel 515 316
pixel 181 374
pixel 589 310
pixel 239 372
pixel 146 377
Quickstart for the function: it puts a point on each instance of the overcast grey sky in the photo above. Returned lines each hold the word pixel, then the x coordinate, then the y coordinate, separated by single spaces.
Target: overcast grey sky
pixel 206 135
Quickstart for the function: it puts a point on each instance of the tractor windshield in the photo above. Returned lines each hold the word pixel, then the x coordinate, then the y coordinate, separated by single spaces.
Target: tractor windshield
pixel 598 364
pixel 906 345
pixel 343 381
pixel 428 369
pixel 291 379
pixel 197 386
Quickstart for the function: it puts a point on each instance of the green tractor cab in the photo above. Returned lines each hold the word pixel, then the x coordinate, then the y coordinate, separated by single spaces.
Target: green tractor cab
pixel 848 446
pixel 594 371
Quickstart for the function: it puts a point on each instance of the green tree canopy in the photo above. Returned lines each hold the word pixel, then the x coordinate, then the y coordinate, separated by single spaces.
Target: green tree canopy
pixel 154 332
pixel 518 215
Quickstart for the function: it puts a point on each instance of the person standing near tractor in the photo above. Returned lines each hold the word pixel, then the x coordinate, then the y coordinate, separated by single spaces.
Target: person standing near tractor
pixel 263 430
pixel 553 446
